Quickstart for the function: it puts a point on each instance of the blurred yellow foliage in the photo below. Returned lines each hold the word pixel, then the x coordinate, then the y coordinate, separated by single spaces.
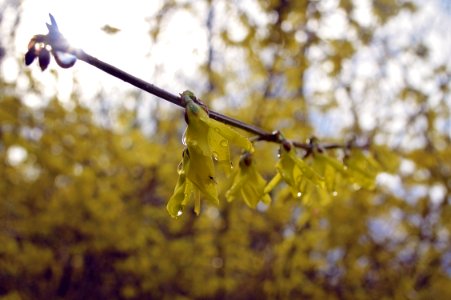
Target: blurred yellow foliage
pixel 83 206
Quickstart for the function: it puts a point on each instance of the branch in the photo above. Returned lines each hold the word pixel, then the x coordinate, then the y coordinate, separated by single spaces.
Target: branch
pixel 60 48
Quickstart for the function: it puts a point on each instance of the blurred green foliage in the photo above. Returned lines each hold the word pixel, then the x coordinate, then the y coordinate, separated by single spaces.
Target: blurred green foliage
pixel 82 205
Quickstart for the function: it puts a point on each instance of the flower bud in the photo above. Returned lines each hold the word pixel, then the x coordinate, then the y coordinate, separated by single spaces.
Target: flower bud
pixel 30 56
pixel 44 58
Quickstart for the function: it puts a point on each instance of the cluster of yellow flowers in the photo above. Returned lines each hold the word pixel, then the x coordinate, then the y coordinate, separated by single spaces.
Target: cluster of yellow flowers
pixel 207 143
pixel 207 140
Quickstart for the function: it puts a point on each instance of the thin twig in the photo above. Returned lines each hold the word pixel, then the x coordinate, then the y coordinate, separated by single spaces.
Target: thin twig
pixel 161 93
pixel 59 44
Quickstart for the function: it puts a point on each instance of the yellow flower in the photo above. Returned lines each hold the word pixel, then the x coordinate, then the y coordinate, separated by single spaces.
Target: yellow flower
pixel 294 171
pixel 211 136
pixel 201 172
pixel 185 188
pixel 248 183
pixel 331 169
pixel 182 191
pixel 206 140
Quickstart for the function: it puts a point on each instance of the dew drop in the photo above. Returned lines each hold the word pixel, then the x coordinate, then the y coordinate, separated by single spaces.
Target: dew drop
pixel 334 193
pixel 224 143
pixel 179 213
pixel 278 155
pixel 184 138
pixel 215 155
pixel 299 195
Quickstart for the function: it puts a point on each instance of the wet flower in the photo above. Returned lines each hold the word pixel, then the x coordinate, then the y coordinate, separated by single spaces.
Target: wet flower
pixel 206 141
pixel 295 172
pixel 248 184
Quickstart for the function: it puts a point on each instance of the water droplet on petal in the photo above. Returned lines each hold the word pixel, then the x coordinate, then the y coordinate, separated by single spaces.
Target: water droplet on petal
pixel 224 143
pixel 179 213
pixel 299 195
pixel 334 193
pixel 215 155
pixel 184 138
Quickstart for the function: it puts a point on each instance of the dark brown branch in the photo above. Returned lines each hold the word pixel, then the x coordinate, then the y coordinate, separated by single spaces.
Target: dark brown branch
pixel 154 90
pixel 59 45
pixel 261 134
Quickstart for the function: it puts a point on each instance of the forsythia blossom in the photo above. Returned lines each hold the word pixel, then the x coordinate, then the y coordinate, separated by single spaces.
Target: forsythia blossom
pixel 248 183
pixel 294 171
pixel 206 141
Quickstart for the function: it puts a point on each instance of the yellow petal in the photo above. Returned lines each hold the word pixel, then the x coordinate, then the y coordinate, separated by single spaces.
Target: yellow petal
pixel 273 183
pixel 231 135
pixel 330 168
pixel 387 158
pixel 295 172
pixel 248 183
pixel 200 171
pixel 362 169
pixel 179 198
pixel 219 146
pixel 197 203
pixel 238 182
pixel 306 170
pixel 197 131
pixel 288 169
pixel 182 190
pixel 253 191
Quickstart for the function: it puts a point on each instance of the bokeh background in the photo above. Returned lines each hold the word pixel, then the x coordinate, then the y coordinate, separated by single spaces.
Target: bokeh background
pixel 87 163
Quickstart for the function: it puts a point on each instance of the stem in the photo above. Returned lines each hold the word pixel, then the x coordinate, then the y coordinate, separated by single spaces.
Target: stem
pixel 59 44
pixel 135 81
pixel 261 134
pixel 159 92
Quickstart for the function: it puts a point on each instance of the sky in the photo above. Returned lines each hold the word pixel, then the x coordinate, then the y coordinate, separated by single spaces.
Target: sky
pixel 130 49
pixel 179 51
